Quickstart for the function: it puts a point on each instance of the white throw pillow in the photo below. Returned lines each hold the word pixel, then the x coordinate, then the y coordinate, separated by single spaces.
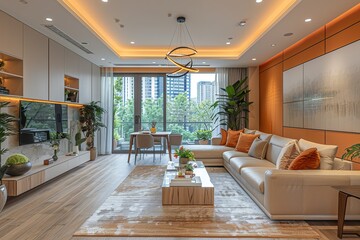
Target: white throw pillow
pixel 287 154
pixel 248 131
pixel 258 149
pixel 327 152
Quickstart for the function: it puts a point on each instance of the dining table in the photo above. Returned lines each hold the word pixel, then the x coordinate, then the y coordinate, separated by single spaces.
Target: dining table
pixel 165 135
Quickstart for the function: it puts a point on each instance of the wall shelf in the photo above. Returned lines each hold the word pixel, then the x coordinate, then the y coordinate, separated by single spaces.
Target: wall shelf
pixel 9 75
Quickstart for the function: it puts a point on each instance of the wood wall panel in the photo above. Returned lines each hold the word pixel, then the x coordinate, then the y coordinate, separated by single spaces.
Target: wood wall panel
pixel 343 38
pixel 343 21
pixel 264 104
pixel 312 135
pixel 278 58
pixel 342 140
pixel 304 56
pixel 305 43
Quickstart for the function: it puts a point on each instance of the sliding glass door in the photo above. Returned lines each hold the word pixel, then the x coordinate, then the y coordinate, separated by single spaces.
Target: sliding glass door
pixel 138 102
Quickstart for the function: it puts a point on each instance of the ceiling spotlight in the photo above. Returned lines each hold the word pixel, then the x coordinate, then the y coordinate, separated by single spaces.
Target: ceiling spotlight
pixel 242 23
pixel 204 62
pixel 254 59
pixel 308 20
pixel 259 1
pixel 288 34
pixel 49 19
pixel 102 59
pixel 228 43
pixel 273 45
pixel 105 1
pixel 132 42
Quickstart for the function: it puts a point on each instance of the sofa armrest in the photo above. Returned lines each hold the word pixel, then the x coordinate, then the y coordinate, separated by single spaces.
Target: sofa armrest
pixel 306 192
pixel 215 140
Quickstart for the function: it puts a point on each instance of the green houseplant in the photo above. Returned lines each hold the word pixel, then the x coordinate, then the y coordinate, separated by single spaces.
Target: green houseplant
pixel 204 136
pixel 232 106
pixel 352 152
pixel 90 120
pixel 55 139
pixel 184 154
pixel 6 129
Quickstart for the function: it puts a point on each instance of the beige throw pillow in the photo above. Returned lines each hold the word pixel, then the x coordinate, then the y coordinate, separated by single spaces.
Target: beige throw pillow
pixel 258 149
pixel 248 131
pixel 287 154
pixel 327 152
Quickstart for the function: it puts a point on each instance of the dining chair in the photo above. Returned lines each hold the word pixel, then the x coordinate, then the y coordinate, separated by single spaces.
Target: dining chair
pixel 158 142
pixel 175 140
pixel 144 141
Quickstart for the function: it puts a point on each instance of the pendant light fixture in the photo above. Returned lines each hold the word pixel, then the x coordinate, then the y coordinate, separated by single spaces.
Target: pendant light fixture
pixel 181 55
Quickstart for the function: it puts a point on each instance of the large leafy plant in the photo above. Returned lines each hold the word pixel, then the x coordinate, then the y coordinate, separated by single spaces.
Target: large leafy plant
pixel 232 105
pixel 90 120
pixel 352 152
pixel 6 126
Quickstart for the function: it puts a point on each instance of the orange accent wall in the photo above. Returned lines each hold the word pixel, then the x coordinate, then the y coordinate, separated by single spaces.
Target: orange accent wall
pixel 340 32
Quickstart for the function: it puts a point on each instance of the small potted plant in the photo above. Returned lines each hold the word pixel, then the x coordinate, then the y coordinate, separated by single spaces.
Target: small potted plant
pixel 153 127
pixel 189 169
pixel 185 155
pixel 18 164
pixel 55 139
pixel 204 136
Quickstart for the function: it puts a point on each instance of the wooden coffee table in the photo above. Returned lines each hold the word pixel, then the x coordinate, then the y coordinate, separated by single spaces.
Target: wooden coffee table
pixel 188 195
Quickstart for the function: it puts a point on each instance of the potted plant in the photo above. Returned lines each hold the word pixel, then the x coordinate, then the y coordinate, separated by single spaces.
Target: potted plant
pixel 78 141
pixel 55 138
pixel 204 136
pixel 352 152
pixel 6 129
pixel 189 169
pixel 90 120
pixel 232 107
pixel 18 164
pixel 185 155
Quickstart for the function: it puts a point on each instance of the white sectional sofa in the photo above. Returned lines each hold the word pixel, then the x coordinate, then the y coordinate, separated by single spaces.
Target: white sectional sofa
pixel 284 194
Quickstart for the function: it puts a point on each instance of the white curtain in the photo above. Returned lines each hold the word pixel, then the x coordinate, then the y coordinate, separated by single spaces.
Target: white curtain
pixel 106 101
pixel 223 78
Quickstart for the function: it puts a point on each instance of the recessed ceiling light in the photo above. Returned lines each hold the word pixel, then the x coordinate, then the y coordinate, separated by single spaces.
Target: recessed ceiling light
pixel 242 23
pixel 308 20
pixel 288 34
pixel 49 19
pixel 204 62
pixel 132 42
pixel 259 1
pixel 228 43
pixel 105 1
pixel 102 59
pixel 254 59
pixel 273 45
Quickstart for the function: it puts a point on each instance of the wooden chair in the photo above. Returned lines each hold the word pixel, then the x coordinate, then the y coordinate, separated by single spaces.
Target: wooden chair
pixel 175 140
pixel 144 141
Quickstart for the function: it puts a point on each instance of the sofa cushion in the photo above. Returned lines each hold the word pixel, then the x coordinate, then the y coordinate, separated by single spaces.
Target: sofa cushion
pixel 245 141
pixel 249 131
pixel 223 136
pixel 208 151
pixel 308 159
pixel 232 137
pixel 274 147
pixel 237 163
pixel 230 154
pixel 258 149
pixel 255 176
pixel 327 152
pixel 287 155
pixel 264 136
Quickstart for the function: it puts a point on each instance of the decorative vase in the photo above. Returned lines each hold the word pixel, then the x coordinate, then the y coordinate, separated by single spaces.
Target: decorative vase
pixel 93 153
pixel 183 160
pixel 18 169
pixel 76 149
pixel 153 130
pixel 3 196
pixel 55 157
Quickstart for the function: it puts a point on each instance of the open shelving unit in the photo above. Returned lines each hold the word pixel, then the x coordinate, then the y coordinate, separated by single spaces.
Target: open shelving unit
pixel 11 76
pixel 71 89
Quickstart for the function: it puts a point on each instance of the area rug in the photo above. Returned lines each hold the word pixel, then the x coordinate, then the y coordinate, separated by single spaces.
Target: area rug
pixel 134 209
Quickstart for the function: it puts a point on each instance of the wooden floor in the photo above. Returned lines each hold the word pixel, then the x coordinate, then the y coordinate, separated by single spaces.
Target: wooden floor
pixel 58 208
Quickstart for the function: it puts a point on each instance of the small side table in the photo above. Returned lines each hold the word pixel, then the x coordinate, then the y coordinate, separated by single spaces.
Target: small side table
pixel 344 193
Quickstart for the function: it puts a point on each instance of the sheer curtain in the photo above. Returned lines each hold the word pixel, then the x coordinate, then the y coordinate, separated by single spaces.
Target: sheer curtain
pixel 223 78
pixel 107 83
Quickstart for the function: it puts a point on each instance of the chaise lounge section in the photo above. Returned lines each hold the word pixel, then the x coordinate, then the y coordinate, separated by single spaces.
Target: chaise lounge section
pixel 284 194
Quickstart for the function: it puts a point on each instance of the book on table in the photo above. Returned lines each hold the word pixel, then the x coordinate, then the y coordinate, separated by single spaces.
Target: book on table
pixel 186 182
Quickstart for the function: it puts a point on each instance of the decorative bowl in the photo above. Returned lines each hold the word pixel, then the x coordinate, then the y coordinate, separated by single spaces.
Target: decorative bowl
pixel 18 169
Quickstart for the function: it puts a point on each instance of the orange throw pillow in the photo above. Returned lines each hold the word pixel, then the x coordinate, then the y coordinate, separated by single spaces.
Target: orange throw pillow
pixel 245 141
pixel 223 136
pixel 232 137
pixel 308 159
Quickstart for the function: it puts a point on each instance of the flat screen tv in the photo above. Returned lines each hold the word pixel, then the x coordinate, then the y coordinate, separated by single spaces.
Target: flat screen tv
pixel 38 120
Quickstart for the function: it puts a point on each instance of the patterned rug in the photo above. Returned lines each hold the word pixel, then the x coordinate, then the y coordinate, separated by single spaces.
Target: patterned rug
pixel 134 209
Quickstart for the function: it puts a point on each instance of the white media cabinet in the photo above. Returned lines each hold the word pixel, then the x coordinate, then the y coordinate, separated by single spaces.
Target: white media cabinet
pixel 40 173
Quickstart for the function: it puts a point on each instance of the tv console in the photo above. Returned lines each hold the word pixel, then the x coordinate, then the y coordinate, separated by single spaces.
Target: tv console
pixel 40 173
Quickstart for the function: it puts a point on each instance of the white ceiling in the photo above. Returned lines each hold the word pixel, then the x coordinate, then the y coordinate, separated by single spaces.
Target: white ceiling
pixel 148 24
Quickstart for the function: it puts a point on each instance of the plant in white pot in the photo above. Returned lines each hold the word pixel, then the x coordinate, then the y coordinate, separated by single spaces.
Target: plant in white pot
pixel 6 129
pixel 90 120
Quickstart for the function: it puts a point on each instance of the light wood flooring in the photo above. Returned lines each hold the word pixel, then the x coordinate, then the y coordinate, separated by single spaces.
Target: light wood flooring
pixel 55 210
